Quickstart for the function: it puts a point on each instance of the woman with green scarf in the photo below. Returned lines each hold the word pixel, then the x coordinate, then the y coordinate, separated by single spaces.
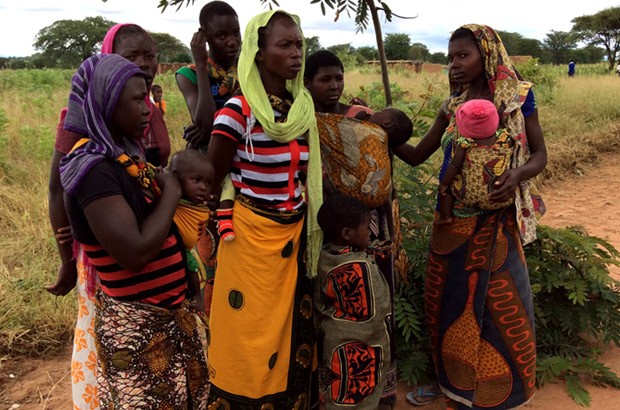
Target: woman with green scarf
pixel 478 300
pixel 262 335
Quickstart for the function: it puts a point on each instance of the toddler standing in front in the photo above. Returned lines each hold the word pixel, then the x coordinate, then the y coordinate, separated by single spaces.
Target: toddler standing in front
pixel 353 303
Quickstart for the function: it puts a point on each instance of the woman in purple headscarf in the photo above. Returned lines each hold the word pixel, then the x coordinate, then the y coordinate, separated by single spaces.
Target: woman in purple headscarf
pixel 135 44
pixel 120 211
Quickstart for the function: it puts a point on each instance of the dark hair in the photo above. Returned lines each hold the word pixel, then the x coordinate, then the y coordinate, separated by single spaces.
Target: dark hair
pixel 264 31
pixel 401 130
pixel 215 8
pixel 463 33
pixel 156 87
pixel 318 59
pixel 339 212
pixel 130 30
pixel 180 159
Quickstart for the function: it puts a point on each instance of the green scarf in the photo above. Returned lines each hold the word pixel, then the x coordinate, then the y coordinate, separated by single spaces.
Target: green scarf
pixel 300 120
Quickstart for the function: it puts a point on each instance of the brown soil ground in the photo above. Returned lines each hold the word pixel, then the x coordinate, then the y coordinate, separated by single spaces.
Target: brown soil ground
pixel 589 200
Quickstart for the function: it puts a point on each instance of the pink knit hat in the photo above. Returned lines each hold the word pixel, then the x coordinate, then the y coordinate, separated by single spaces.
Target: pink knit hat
pixel 477 119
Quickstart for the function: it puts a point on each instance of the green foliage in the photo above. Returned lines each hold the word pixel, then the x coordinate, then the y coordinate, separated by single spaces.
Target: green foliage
pixel 576 306
pixel 573 371
pixel 368 53
pixel 568 268
pixel 397 46
pixel 414 356
pixel 3 121
pixel 66 43
pixel 544 80
pixel 419 52
pixel 29 81
pixel 559 45
pixel 313 44
pixel 438 58
pixel 373 95
pixel 589 55
pixel 359 10
pixel 517 45
pixel 416 196
pixel 170 49
pixel 602 28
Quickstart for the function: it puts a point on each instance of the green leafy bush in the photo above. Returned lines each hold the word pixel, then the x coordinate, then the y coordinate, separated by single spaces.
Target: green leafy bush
pixel 576 307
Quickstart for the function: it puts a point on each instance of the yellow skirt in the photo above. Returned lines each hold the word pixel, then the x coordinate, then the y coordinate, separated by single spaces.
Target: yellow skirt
pixel 261 342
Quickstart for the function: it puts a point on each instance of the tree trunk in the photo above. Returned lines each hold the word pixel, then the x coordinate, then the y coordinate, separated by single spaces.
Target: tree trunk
pixel 381 50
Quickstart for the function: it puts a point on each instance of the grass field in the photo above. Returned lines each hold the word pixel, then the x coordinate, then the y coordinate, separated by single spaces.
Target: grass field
pixel 580 118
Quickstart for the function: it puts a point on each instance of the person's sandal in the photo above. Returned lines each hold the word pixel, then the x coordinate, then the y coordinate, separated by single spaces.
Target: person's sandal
pixel 423 395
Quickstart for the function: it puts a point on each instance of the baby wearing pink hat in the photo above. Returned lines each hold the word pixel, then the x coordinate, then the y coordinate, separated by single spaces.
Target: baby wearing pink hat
pixel 480 154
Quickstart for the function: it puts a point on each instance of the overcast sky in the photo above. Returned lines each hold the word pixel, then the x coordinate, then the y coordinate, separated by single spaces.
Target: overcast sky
pixel 20 20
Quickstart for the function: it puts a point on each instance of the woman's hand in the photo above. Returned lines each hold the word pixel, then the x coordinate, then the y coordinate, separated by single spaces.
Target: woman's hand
pixel 505 186
pixel 195 136
pixel 168 183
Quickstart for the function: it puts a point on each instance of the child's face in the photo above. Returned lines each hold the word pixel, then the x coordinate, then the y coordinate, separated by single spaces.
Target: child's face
pixel 224 39
pixel 196 179
pixel 157 95
pixel 131 115
pixel 326 87
pixel 360 236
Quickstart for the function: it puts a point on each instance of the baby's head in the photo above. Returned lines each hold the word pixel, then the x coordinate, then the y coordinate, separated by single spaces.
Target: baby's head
pixel 194 173
pixel 345 221
pixel 395 123
pixel 477 119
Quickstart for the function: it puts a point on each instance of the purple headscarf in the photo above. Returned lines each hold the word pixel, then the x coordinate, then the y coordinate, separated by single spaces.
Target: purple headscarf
pixel 95 89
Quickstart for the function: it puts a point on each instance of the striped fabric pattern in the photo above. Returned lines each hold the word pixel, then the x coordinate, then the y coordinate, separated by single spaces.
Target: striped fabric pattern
pixel 161 283
pixel 264 170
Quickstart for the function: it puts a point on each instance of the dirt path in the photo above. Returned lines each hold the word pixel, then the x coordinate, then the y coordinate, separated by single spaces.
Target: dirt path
pixel 590 200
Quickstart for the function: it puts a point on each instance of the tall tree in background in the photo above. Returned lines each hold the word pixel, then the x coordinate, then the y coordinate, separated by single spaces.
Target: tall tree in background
pixel 368 53
pixel 602 28
pixel 517 45
pixel 418 52
pixel 362 10
pixel 439 57
pixel 559 46
pixel 170 49
pixel 66 43
pixel 589 55
pixel 397 46
pixel 312 44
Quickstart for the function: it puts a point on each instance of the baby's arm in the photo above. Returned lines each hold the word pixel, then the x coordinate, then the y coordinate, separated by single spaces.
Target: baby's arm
pixel 454 167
